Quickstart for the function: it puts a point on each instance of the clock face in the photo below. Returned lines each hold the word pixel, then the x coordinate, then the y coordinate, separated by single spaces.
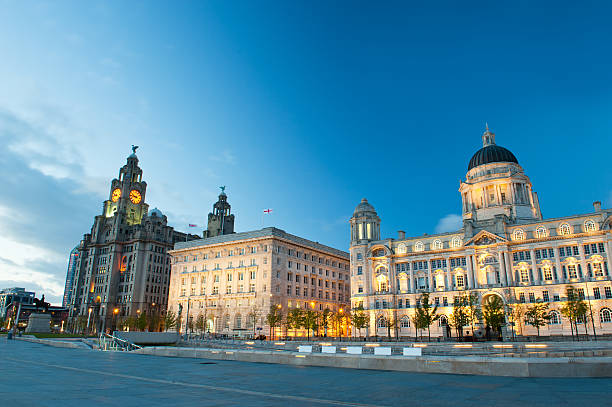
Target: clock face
pixel 135 196
pixel 116 195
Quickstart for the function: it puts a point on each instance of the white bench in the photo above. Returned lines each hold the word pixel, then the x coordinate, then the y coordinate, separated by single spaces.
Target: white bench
pixel 305 348
pixel 328 349
pixel 354 350
pixel 383 351
pixel 413 352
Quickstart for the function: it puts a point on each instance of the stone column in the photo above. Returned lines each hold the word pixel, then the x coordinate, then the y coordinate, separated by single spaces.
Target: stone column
pixel 534 266
pixel 412 286
pixel 608 246
pixel 558 264
pixel 470 272
pixel 509 268
pixel 502 269
pixel 583 263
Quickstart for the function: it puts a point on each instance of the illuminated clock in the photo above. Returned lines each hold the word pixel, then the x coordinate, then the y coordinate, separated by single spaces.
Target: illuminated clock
pixel 116 195
pixel 135 196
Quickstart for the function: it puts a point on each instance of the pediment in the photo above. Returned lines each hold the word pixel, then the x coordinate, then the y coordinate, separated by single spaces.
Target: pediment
pixel 484 238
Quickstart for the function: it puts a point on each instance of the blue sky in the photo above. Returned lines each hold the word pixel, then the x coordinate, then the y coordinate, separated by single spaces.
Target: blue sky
pixel 302 107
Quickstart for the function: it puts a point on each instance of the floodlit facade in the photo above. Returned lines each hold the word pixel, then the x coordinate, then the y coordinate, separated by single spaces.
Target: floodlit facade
pixel 122 267
pixel 232 280
pixel 505 248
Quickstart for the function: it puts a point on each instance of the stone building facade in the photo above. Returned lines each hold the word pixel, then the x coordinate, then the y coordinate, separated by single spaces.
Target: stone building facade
pixel 232 280
pixel 123 267
pixel 505 248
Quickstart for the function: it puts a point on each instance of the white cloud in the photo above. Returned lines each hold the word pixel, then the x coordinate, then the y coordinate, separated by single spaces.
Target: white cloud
pixel 449 223
pixel 225 157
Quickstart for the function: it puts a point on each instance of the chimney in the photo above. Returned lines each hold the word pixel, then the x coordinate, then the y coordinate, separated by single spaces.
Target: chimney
pixel 597 206
pixel 401 235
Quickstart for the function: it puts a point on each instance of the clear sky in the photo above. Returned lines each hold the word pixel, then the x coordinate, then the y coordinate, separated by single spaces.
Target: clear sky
pixel 302 107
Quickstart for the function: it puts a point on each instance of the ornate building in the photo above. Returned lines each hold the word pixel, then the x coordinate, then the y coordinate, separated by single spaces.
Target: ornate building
pixel 123 267
pixel 231 280
pixel 504 249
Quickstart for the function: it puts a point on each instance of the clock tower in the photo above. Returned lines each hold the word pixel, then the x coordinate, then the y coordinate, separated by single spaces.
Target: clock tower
pixel 127 193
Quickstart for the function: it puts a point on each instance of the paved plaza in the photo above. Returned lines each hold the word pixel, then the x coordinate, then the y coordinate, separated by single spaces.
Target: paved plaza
pixel 38 375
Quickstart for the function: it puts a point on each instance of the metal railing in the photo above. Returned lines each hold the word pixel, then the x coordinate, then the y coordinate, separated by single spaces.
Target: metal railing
pixel 113 343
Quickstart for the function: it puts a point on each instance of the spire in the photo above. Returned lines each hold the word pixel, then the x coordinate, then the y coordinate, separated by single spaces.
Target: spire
pixel 488 137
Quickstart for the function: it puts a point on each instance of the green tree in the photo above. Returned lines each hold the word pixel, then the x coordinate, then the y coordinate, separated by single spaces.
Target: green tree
pixel 327 317
pixel 425 314
pixel 537 314
pixel 141 321
pixel 294 319
pixel 473 310
pixel 310 321
pixel 575 309
pixel 459 318
pixel 493 313
pixel 359 318
pixel 274 318
pixel 199 323
pixel 153 321
pixel 170 320
pixel 517 313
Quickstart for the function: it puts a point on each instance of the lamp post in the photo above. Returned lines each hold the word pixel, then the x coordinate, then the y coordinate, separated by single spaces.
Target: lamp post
pixel 88 318
pixel 115 313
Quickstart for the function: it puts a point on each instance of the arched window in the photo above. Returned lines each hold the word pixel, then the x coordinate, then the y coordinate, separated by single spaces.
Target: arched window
pixel 555 318
pixel 443 321
pixel 381 323
pixel 405 322
pixel 565 229
pixel 419 247
pixel 383 284
pixel 379 253
pixel 226 323
pixel 437 244
pixel 401 248
pixel 589 226
pixel 238 321
pixel 456 242
pixel 540 232
pixel 518 234
pixel 606 315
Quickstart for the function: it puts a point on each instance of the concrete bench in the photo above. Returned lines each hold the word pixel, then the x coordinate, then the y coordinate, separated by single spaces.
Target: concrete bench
pixel 354 350
pixel 383 351
pixel 328 349
pixel 413 352
pixel 305 348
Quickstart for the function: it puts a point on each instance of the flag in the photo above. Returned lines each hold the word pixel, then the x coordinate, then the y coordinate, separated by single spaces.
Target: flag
pixel 268 211
pixel 191 225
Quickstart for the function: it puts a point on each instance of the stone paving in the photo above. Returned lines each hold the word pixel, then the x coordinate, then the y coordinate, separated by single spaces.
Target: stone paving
pixel 38 375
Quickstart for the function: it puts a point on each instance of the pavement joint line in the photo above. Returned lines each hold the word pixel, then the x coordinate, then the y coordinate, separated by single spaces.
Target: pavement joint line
pixel 203 386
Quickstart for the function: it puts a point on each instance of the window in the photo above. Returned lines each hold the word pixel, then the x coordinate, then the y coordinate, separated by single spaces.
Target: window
pixel 531 297
pixel 437 244
pixel 565 229
pixel 252 287
pixel 555 318
pixel 460 282
pixel 608 292
pixel 359 256
pixel 540 232
pixel 596 293
pixel 597 269
pixel 401 248
pixel 518 234
pixel 405 322
pixel 359 270
pixel 589 226
pixel 571 269
pixel 522 298
pixel 456 242
pixel 524 275
pixel 606 315
pixel 381 323
pixel 545 296
pixel 419 247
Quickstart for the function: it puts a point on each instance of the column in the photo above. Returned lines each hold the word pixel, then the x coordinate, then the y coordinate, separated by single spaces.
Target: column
pixel 608 246
pixel 558 264
pixel 470 272
pixel 502 269
pixel 412 286
pixel 534 266
pixel 583 263
pixel 509 269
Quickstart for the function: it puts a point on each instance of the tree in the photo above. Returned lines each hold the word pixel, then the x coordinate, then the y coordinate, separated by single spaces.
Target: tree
pixel 253 316
pixel 310 321
pixel 170 320
pixel 199 323
pixel 153 321
pixel 459 318
pixel 537 315
pixel 359 317
pixel 493 313
pixel 425 315
pixel 274 318
pixel 574 309
pixel 391 323
pixel 326 317
pixel 473 311
pixel 294 319
pixel 141 321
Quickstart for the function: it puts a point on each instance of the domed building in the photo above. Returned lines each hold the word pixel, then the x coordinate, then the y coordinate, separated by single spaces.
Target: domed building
pixel 505 250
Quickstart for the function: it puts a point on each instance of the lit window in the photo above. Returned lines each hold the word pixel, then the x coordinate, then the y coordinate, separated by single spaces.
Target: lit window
pixel 518 234
pixel 437 244
pixel 597 269
pixel 564 229
pixel 405 322
pixel 589 226
pixel 540 232
pixel 419 247
pixel 524 275
pixel 555 318
pixel 382 322
pixel 401 248
pixel 547 273
pixel 460 281
pixel 456 242
pixel 606 315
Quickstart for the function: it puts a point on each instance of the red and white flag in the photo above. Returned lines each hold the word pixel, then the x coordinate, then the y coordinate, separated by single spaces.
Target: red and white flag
pixel 192 225
pixel 268 211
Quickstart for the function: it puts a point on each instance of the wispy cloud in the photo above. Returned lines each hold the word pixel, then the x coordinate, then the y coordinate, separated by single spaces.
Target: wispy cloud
pixel 449 223
pixel 225 157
